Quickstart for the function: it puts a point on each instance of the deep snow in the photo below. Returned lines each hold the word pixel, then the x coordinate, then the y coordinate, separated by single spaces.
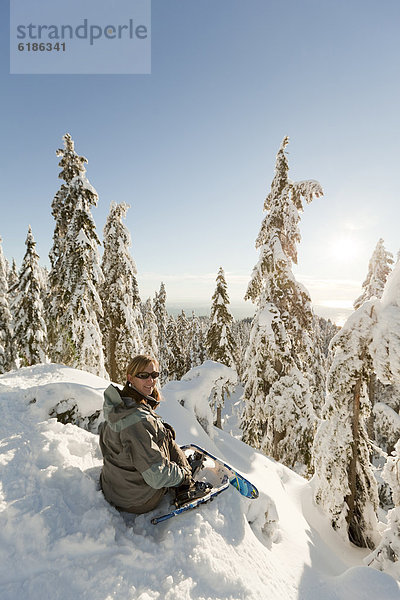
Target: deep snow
pixel 59 538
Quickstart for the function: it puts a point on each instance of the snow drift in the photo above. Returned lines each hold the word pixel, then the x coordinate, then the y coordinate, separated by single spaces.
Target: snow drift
pixel 60 539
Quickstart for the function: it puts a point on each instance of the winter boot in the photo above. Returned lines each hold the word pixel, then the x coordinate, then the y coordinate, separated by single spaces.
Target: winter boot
pixel 187 493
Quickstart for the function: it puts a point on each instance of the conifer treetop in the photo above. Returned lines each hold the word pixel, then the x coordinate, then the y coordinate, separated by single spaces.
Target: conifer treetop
pixel 117 239
pixel 30 243
pixel 72 165
pixel 385 346
pixel 378 270
pixel 162 295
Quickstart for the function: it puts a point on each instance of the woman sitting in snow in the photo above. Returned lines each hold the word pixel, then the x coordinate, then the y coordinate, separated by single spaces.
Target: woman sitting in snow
pixel 141 459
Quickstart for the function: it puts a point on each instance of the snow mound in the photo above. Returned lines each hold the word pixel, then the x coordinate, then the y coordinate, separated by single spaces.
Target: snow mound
pixel 59 538
pixel 197 387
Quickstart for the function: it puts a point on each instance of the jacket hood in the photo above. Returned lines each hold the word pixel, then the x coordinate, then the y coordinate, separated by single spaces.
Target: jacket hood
pixel 112 402
pixel 117 406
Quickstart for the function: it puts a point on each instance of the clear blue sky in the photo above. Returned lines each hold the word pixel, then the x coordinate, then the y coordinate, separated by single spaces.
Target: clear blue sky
pixel 192 146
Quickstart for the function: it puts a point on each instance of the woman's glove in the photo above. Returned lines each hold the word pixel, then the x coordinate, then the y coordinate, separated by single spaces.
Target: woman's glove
pixel 187 477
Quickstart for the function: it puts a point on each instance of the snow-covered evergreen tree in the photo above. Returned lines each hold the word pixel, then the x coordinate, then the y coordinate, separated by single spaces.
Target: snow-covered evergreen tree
pixel 75 275
pixel 161 315
pixel 30 333
pixel 119 295
pixel 386 414
pixel 278 414
pixel 176 364
pixel 12 279
pixel 327 330
pixel 150 332
pixel 73 167
pixel 385 350
pixel 6 353
pixel 385 347
pixel 378 270
pixel 183 330
pixel 220 341
pixel 317 365
pixel 386 358
pixel 196 349
pixel 388 550
pixel 280 351
pixel 386 426
pixel 44 283
pixel 345 485
pixel 241 333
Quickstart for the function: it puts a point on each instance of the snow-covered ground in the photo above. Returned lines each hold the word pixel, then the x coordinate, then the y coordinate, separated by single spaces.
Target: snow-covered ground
pixel 59 539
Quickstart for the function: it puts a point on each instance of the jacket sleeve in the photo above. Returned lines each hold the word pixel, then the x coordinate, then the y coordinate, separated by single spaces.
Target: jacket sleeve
pixel 141 443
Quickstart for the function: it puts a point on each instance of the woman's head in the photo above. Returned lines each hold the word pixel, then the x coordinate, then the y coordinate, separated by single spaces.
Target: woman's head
pixel 142 373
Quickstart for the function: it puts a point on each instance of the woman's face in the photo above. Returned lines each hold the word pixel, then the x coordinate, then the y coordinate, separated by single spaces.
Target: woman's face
pixel 144 386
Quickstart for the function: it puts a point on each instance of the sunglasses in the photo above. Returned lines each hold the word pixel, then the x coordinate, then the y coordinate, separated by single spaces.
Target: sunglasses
pixel 145 375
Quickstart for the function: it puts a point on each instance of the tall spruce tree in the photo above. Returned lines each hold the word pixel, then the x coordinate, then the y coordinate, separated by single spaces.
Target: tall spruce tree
pixel 385 346
pixel 161 315
pixel 241 333
pixel 183 329
pixel 345 485
pixel 75 275
pixel 378 270
pixel 386 374
pixel 385 351
pixel 12 279
pixel 119 295
pixel 388 550
pixel 278 415
pixel 150 332
pixel 317 365
pixel 196 350
pixel 44 283
pixel 220 342
pixel 30 333
pixel 63 205
pixel 176 364
pixel 6 353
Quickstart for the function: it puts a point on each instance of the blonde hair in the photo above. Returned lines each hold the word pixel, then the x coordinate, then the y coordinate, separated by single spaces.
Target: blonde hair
pixel 138 364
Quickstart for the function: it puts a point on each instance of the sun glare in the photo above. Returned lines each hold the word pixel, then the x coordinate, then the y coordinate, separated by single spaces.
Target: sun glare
pixel 344 248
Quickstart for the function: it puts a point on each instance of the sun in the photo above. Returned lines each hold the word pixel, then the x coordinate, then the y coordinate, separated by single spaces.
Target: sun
pixel 344 248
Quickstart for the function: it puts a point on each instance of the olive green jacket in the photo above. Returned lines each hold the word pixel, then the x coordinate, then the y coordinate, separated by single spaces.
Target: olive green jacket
pixel 140 457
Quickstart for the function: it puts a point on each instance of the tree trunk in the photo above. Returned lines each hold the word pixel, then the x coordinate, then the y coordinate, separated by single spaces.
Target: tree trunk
pixel 371 395
pixel 112 344
pixel 353 527
pixel 218 422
